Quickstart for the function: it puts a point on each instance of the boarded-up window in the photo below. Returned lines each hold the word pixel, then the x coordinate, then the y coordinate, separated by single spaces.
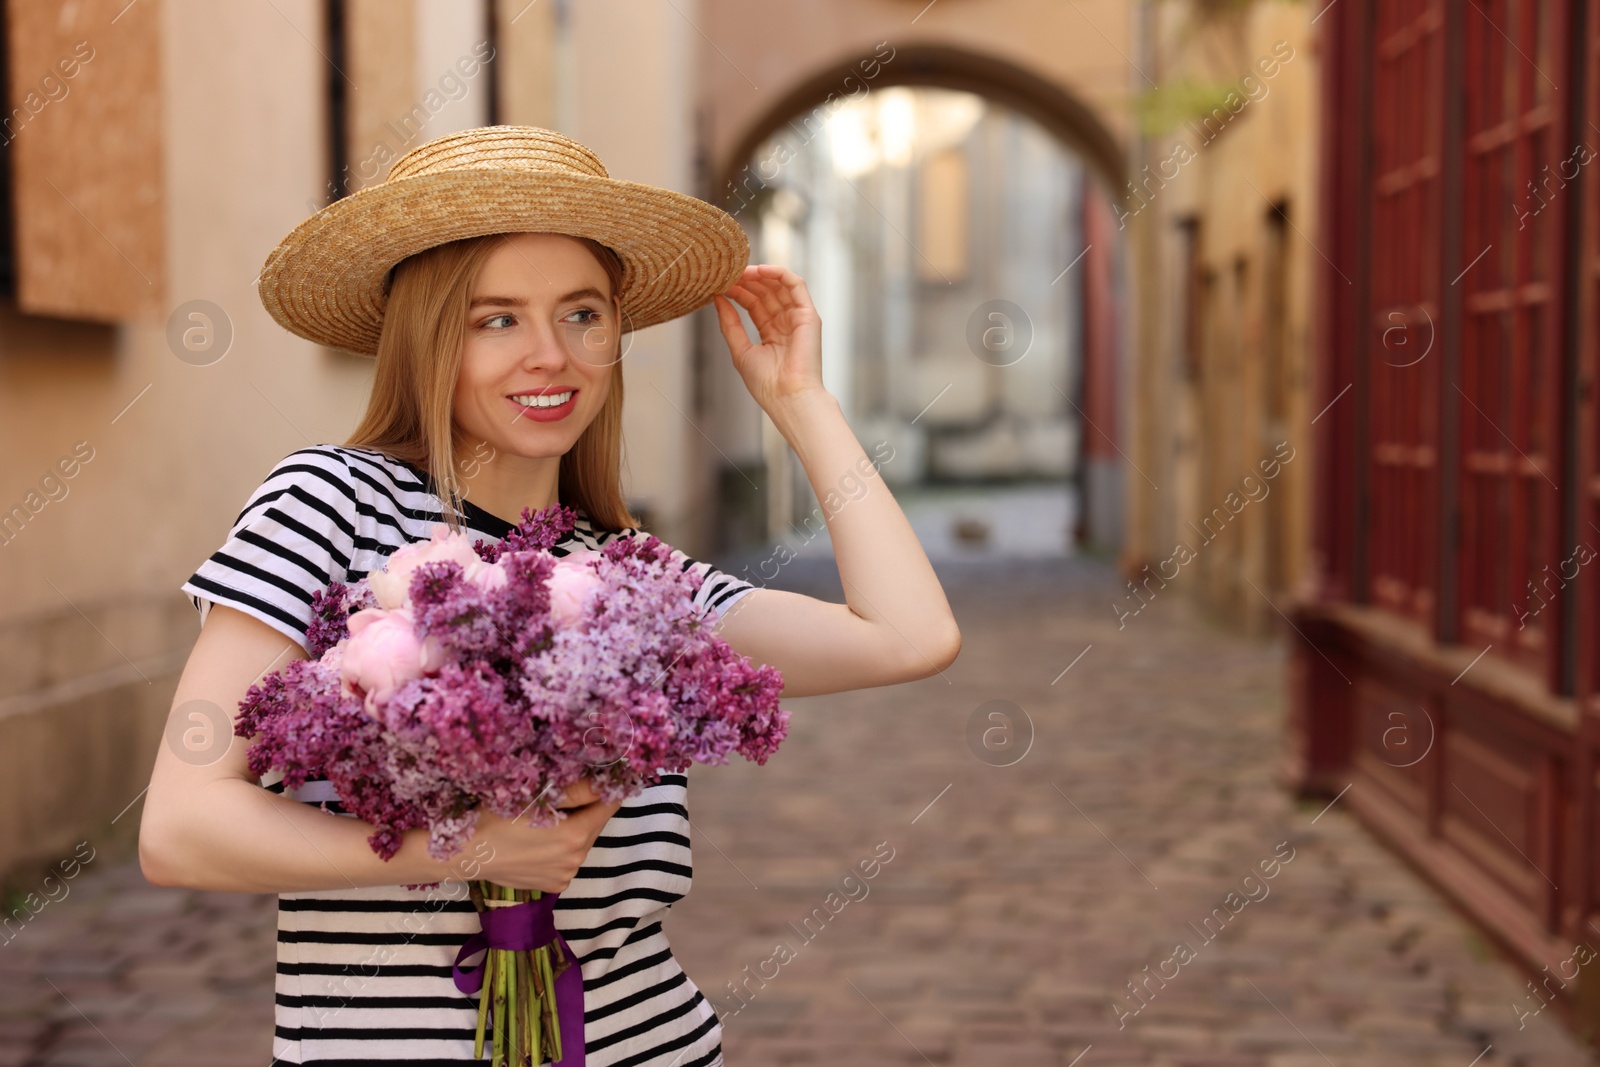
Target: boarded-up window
pixel 1192 307
pixel 85 137
pixel 406 74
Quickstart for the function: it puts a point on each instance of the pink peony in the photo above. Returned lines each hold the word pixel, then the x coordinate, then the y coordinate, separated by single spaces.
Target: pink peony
pixel 486 576
pixel 572 582
pixel 383 653
pixel 392 584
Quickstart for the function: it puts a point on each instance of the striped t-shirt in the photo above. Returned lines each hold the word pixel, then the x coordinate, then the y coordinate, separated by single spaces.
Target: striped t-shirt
pixel 363 975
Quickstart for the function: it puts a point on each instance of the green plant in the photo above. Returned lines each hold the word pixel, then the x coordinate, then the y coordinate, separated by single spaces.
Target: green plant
pixel 1167 107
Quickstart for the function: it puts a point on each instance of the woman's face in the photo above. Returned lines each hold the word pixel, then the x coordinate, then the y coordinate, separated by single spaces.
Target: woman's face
pixel 541 327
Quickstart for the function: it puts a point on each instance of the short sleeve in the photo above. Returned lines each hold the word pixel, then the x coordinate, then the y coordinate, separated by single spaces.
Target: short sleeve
pixel 294 536
pixel 719 590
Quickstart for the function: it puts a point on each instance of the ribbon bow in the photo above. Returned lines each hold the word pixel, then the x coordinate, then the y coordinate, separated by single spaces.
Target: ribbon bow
pixel 520 927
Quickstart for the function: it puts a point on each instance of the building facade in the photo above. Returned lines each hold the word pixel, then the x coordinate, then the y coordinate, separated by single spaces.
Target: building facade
pixel 1445 668
pixel 1218 207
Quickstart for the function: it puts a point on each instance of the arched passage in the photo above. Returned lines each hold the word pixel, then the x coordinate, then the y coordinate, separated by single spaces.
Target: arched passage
pixel 945 67
pixel 1085 259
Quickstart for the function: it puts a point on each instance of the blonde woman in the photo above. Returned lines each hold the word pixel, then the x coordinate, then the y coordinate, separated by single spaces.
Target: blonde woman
pixel 493 275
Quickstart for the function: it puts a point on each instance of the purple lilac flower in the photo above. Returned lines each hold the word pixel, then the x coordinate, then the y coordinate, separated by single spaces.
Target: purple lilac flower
pixel 331 609
pixel 629 683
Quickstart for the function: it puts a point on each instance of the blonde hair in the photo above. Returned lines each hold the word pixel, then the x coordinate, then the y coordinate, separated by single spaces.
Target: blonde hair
pixel 410 416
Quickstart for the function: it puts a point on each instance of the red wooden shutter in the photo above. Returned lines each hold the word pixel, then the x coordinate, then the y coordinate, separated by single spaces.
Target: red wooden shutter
pixel 1588 532
pixel 1514 205
pixel 1407 70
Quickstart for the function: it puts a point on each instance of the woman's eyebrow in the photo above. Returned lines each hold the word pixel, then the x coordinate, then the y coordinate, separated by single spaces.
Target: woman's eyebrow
pixel 517 301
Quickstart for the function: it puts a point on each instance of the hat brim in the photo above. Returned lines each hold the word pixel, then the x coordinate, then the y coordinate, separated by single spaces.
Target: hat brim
pixel 326 280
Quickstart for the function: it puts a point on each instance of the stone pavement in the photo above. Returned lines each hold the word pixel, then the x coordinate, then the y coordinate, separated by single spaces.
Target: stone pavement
pixel 1007 907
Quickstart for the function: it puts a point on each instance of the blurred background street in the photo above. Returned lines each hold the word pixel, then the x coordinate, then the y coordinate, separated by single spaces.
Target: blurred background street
pixel 1233 360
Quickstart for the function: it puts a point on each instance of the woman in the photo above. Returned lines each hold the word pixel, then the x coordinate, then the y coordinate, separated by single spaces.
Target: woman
pixel 494 274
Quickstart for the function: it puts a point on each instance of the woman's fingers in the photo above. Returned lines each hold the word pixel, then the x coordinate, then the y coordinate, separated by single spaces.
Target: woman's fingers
pixel 777 301
pixel 768 288
pixel 791 292
pixel 788 289
pixel 732 326
pixel 768 315
pixel 801 295
pixel 767 329
pixel 754 302
pixel 591 818
pixel 578 794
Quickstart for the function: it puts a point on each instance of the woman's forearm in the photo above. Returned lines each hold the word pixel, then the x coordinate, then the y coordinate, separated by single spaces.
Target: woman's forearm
pixel 886 575
pixel 235 836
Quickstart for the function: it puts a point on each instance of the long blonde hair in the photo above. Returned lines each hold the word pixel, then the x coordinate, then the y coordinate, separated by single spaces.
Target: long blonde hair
pixel 409 415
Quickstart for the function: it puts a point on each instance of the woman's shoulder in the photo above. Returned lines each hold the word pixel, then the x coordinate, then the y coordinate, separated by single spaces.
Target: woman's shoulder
pixel 596 536
pixel 720 580
pixel 363 464
pixel 313 457
pixel 315 478
pixel 593 534
pixel 361 473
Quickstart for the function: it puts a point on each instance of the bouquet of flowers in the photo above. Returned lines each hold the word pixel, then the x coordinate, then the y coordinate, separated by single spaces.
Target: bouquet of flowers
pixel 468 676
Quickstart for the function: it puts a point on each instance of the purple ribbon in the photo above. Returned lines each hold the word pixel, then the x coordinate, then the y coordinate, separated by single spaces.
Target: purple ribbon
pixel 529 925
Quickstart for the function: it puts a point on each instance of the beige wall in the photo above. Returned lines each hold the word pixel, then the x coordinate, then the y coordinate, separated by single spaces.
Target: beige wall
pixel 756 54
pixel 1198 440
pixel 95 627
pixel 632 99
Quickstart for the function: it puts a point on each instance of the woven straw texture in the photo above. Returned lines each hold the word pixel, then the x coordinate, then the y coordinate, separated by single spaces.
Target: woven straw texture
pixel 325 281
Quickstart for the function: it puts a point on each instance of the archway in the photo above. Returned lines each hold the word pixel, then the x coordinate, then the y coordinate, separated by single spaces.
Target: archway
pixel 1055 109
pixel 951 214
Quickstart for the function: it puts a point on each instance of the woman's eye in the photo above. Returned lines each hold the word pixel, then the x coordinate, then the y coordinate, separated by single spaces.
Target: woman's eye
pixel 496 318
pixel 593 316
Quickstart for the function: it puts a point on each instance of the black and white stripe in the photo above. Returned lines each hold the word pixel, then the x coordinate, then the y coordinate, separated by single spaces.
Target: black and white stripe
pixel 363 975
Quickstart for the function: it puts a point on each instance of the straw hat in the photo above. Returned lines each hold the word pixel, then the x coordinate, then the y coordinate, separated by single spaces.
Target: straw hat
pixel 327 281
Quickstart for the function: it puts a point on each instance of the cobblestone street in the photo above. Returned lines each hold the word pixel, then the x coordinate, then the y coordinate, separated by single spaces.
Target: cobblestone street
pixel 1008 907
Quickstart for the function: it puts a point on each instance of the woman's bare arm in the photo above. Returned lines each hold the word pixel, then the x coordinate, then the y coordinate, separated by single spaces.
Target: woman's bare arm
pixel 207 824
pixel 895 624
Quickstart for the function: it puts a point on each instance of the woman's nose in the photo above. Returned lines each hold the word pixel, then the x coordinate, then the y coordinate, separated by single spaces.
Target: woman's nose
pixel 546 348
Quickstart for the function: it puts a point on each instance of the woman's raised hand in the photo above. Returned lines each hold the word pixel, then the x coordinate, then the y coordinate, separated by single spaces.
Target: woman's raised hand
pixel 787 364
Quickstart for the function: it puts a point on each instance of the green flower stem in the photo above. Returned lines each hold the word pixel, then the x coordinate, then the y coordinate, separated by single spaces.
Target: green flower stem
pixel 483 990
pixel 499 1008
pixel 517 1002
pixel 483 1007
pixel 530 965
pixel 548 1004
pixel 525 969
pixel 507 893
